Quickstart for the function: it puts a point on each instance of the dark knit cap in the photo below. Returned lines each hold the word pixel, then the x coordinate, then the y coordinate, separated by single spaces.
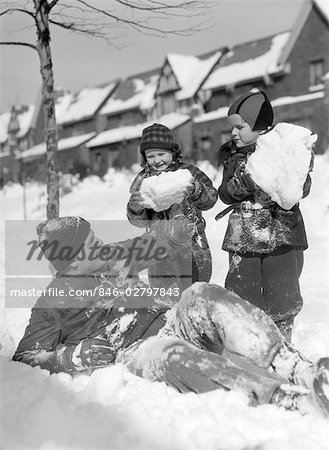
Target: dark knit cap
pixel 255 108
pixel 62 239
pixel 157 136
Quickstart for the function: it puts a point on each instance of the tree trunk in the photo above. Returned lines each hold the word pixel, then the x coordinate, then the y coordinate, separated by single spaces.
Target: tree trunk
pixel 46 69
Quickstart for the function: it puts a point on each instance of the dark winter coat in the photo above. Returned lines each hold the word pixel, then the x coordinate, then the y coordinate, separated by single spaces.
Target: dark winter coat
pixel 257 224
pixel 89 307
pixel 171 272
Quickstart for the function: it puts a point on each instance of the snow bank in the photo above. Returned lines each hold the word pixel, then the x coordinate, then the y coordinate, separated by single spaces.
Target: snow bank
pixel 281 162
pixel 113 409
pixel 162 191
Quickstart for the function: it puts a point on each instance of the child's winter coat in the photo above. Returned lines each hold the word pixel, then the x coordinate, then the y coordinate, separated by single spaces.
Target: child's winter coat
pixel 176 271
pixel 257 224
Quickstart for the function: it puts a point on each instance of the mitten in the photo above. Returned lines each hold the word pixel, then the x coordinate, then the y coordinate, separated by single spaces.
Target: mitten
pixel 193 190
pixel 90 353
pixel 136 202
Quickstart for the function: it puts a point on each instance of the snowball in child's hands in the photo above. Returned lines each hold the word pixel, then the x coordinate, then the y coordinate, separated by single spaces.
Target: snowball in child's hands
pixel 161 192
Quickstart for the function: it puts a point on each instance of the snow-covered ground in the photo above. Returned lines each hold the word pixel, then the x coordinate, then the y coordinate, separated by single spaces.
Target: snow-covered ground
pixel 112 409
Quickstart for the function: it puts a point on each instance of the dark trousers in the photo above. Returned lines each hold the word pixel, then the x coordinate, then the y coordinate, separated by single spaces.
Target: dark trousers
pixel 270 282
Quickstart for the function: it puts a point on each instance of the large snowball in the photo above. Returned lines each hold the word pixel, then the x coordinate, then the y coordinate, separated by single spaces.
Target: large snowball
pixel 162 191
pixel 281 161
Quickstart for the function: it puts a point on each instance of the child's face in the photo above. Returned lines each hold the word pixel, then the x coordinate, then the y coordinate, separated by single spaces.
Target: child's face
pixel 158 159
pixel 241 132
pixel 87 260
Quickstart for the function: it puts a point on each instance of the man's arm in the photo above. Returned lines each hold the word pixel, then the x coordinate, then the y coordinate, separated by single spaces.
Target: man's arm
pixel 165 238
pixel 41 346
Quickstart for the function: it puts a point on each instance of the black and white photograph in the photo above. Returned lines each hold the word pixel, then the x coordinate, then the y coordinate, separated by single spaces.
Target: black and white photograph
pixel 164 224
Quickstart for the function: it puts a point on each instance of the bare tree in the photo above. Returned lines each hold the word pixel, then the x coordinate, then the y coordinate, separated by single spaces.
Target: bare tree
pixel 84 17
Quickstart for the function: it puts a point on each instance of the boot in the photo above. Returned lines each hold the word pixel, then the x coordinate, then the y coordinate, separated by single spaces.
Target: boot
pixel 321 384
pixel 297 398
pixel 291 365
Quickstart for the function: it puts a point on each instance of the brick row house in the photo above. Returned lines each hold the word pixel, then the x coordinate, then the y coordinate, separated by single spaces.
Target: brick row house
pixel 100 127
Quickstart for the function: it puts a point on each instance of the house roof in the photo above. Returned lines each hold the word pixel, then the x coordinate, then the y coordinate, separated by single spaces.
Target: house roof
pixel 221 113
pixel 63 144
pixel 191 72
pixel 323 6
pixel 83 104
pixel 25 120
pixel 135 92
pixel 24 116
pixel 172 121
pixel 249 61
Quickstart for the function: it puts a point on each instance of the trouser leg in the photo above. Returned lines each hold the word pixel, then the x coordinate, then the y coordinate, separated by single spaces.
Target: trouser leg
pixel 191 369
pixel 201 259
pixel 283 301
pixel 245 277
pixel 213 318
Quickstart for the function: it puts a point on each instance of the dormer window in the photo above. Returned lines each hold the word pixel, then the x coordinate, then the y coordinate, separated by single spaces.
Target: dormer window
pixel 316 72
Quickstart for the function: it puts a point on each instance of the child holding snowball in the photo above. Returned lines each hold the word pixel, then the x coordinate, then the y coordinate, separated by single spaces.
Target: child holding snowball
pixel 265 236
pixel 161 155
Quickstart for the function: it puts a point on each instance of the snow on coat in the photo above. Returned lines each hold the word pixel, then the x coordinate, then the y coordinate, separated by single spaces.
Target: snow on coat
pixel 281 162
pixel 162 191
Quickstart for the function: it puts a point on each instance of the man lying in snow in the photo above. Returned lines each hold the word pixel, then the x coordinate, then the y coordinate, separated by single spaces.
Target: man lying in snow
pixel 210 339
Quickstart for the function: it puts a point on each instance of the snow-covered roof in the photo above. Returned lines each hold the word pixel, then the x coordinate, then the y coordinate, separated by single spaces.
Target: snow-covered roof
pixel 323 5
pixel 25 120
pixel 212 115
pixel 4 122
pixel 191 71
pixel 84 104
pixel 63 144
pixel 249 61
pixel 172 121
pixel 221 113
pixel 132 93
pixel 297 99
pixel 24 117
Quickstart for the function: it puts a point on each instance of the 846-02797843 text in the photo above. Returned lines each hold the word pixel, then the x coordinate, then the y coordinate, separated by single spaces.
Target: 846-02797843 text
pixel 138 292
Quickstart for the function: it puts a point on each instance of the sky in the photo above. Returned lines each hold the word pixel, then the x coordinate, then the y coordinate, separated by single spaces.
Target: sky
pixel 79 61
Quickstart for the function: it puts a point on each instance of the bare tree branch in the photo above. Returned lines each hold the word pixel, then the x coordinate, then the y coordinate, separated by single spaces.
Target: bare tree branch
pixel 52 4
pixel 161 7
pixel 12 10
pixel 24 44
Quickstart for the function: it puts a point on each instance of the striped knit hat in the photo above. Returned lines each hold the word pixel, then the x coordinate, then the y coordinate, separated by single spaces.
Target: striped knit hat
pixel 62 239
pixel 255 108
pixel 157 136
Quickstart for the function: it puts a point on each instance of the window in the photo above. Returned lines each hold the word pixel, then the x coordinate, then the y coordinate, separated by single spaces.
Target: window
pixel 168 104
pixel 316 72
pixel 205 143
pixel 225 136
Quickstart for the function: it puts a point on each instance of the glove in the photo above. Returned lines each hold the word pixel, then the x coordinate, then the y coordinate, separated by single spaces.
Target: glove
pixel 92 353
pixel 136 202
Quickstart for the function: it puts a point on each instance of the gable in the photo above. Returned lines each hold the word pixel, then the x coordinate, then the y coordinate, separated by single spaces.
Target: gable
pixel 321 6
pixel 135 92
pixel 167 81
